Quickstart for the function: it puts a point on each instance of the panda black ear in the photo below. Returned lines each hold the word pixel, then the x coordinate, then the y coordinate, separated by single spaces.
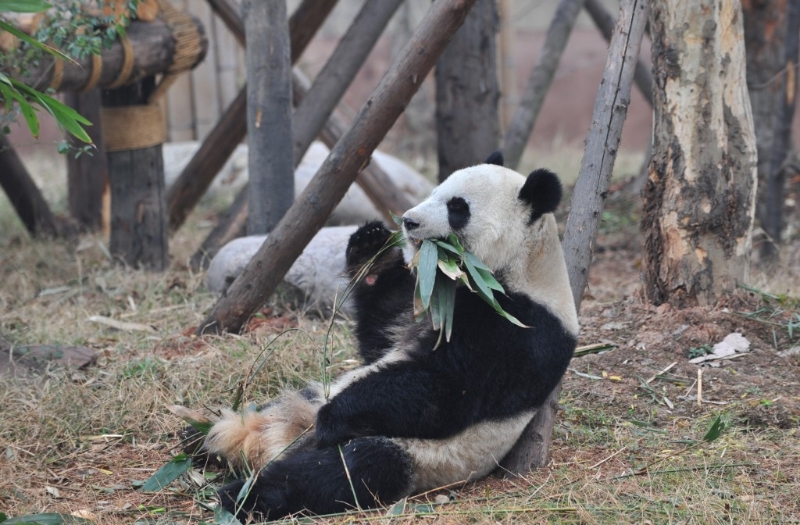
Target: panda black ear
pixel 495 158
pixel 542 191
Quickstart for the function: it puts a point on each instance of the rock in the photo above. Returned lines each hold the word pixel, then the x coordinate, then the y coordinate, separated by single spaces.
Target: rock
pixel 355 207
pixel 38 358
pixel 318 274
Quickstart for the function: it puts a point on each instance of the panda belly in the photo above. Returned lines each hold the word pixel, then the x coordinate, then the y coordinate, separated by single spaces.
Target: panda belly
pixel 469 455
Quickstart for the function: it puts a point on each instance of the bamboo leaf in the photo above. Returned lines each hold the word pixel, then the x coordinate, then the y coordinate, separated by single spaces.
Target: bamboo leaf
pixel 448 266
pixel 5 26
pixel 223 517
pixel 716 429
pixel 449 247
pixel 477 263
pixel 491 282
pixel 10 93
pixel 23 6
pixel 450 306
pixel 426 271
pixel 168 473
pixel 49 518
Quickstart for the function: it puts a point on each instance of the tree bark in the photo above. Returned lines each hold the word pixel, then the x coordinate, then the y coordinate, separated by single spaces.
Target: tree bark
pixel 267 268
pixel 24 195
pixel 539 81
pixel 229 131
pixel 153 49
pixel 138 206
pixel 339 71
pixel 610 110
pixel 700 196
pixel 764 36
pixel 269 114
pixel 782 138
pixel 87 173
pixel 467 118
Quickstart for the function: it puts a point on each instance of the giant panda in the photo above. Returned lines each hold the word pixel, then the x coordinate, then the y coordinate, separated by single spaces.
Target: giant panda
pixel 416 416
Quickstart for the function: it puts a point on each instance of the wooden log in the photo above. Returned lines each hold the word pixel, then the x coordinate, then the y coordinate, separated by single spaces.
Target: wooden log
pixel 138 218
pixel 229 131
pixel 265 271
pixel 643 77
pixel 24 195
pixel 782 137
pixel 586 209
pixel 153 49
pixel 87 173
pixel 467 118
pixel 339 71
pixel 269 114
pixel 539 80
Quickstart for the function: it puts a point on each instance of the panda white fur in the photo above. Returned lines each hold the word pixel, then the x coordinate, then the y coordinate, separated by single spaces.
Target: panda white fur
pixel 414 418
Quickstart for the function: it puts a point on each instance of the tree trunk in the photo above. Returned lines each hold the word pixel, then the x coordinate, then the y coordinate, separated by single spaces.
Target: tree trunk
pixel 87 173
pixel 138 205
pixel 269 114
pixel 268 266
pixel 782 138
pixel 610 110
pixel 519 131
pixel 700 195
pixel 764 35
pixel 467 119
pixel 23 193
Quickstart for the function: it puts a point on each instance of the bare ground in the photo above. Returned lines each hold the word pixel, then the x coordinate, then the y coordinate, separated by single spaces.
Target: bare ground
pixel 628 444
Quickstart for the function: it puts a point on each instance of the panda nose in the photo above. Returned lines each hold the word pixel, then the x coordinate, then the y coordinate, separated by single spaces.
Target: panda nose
pixel 410 224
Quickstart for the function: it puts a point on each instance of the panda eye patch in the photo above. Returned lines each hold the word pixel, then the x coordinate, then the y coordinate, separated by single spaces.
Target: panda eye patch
pixel 457 213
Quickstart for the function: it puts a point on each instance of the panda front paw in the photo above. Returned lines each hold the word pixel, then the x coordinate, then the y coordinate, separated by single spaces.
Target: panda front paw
pixel 364 243
pixel 257 505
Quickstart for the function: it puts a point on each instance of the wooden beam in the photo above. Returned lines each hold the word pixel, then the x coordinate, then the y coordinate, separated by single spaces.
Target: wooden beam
pixel 304 219
pixel 153 49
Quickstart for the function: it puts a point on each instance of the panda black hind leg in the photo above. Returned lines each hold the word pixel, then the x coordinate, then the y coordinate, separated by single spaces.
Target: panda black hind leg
pixel 383 299
pixel 316 481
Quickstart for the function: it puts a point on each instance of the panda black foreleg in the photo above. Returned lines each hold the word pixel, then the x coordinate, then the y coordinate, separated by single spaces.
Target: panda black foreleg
pixel 316 481
pixel 383 298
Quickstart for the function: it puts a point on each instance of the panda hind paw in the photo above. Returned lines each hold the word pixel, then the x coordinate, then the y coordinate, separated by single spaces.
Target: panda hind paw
pixel 364 243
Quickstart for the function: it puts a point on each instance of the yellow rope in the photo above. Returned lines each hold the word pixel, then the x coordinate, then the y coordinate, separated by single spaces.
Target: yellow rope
pixel 188 45
pixel 133 127
pixel 94 78
pixel 127 63
pixel 58 74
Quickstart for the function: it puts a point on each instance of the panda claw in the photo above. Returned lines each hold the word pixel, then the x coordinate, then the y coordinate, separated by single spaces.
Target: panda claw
pixel 365 242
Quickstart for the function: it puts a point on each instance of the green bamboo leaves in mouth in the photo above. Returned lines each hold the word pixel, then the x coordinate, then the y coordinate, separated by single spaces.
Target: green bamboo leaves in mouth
pixel 439 266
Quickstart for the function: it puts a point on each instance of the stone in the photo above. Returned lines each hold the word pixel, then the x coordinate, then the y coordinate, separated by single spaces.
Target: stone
pixel 317 275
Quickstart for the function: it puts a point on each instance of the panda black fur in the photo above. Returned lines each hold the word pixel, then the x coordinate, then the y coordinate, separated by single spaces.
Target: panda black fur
pixel 414 418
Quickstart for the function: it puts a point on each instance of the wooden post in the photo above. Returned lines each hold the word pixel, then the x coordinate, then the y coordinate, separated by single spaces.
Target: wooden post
pixel 610 110
pixel 339 71
pixel 539 81
pixel 138 218
pixel 643 77
pixel 24 195
pixel 87 174
pixel 304 219
pixel 269 114
pixel 467 119
pixel 782 138
pixel 231 128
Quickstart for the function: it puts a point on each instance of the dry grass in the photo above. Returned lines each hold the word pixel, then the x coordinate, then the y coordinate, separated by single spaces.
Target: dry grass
pixel 78 441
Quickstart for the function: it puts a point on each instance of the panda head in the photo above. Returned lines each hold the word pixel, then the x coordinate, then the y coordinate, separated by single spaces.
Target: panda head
pixel 497 214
